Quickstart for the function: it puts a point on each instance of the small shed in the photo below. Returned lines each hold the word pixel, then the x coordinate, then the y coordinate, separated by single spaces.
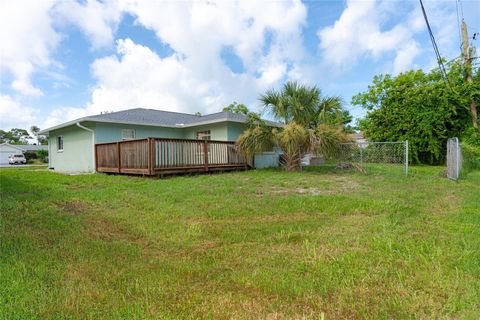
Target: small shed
pixel 7 150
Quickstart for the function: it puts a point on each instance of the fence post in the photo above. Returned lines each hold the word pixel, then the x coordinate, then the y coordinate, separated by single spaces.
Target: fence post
pixel 406 157
pixel 361 154
pixel 205 154
pixel 458 156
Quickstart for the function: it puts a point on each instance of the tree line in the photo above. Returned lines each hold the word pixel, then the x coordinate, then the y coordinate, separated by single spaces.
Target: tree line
pixel 422 107
pixel 21 136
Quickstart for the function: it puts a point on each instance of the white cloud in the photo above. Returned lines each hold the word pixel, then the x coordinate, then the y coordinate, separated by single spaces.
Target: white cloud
pixel 14 114
pixel 361 32
pixel 97 20
pixel 195 77
pixel 27 39
pixel 138 77
pixel 358 33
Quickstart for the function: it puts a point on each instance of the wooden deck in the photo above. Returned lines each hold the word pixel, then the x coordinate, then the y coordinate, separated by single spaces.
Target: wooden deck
pixel 157 156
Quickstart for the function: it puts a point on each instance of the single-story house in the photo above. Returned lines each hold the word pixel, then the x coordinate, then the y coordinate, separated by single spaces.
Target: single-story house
pixel 7 150
pixel 72 145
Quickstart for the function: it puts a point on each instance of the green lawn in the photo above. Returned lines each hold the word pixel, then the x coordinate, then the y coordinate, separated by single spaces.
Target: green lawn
pixel 246 245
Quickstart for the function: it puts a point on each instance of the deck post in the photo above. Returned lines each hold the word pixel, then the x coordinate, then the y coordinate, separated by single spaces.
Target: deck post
pixel 119 162
pixel 150 155
pixel 205 154
pixel 96 158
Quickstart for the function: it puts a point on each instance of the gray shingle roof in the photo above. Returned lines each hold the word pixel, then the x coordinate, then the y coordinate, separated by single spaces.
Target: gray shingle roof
pixel 166 118
pixel 148 116
pixel 161 118
pixel 26 147
pixel 33 147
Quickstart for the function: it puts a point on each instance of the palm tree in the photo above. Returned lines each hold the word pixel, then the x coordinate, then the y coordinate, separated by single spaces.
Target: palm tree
pixel 310 125
pixel 304 105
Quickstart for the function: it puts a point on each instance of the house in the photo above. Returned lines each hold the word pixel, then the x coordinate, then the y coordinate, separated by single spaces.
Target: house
pixel 357 137
pixel 7 150
pixel 86 144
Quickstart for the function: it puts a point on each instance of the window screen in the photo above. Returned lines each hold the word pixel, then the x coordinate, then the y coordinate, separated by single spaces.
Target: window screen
pixel 203 135
pixel 60 143
pixel 128 134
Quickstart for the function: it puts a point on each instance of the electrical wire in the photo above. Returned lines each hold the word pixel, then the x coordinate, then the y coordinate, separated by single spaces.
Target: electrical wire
pixel 435 47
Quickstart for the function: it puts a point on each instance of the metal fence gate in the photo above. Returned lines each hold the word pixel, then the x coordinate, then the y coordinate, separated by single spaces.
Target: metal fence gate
pixel 454 158
pixel 394 154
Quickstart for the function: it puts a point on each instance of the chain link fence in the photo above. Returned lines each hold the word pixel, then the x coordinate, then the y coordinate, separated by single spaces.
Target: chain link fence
pixel 454 158
pixel 391 154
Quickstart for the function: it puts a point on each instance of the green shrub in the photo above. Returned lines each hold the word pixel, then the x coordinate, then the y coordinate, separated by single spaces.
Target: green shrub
pixel 471 150
pixel 29 155
pixel 43 155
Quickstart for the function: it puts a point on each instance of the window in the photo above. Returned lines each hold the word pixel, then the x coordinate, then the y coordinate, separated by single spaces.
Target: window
pixel 203 135
pixel 128 134
pixel 60 143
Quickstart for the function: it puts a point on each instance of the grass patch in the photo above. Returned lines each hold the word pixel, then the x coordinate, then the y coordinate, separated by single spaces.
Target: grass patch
pixel 257 244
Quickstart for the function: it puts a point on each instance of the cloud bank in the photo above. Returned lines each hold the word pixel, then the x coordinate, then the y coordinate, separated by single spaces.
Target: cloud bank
pixel 265 38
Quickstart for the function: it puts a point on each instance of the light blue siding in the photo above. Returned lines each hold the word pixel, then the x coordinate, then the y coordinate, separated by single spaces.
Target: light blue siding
pixel 267 160
pixel 108 132
pixel 234 130
pixel 218 131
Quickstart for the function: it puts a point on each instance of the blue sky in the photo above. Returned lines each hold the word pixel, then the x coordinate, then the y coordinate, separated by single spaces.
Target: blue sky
pixel 62 60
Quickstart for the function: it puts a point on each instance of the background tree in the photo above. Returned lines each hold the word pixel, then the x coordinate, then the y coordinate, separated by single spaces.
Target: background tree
pixel 419 107
pixel 3 136
pixel 309 127
pixel 40 138
pixel 15 136
pixel 305 105
pixel 236 108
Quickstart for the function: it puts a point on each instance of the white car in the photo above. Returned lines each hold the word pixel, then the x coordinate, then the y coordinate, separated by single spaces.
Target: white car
pixel 17 159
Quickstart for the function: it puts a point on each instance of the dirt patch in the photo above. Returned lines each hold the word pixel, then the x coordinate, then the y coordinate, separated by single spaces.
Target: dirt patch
pixel 102 228
pixel 73 207
pixel 310 187
pixel 205 246
pixel 302 191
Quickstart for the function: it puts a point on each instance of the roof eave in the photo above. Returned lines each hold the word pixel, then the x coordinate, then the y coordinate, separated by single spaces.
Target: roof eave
pixel 195 124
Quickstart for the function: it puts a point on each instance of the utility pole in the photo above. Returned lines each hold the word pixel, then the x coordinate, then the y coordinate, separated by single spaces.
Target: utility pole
pixel 468 67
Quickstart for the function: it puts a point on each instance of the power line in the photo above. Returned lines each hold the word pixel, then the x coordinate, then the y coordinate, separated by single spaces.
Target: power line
pixel 435 47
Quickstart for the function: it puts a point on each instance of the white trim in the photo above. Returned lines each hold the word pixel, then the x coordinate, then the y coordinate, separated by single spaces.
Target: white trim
pixel 49 154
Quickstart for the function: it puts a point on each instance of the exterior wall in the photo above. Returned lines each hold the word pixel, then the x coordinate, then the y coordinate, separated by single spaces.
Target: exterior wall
pixel 108 132
pixel 77 154
pixel 266 160
pixel 225 131
pixel 235 129
pixel 218 131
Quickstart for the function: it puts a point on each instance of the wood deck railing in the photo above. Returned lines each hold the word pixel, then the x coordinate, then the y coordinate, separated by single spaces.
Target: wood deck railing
pixel 152 156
